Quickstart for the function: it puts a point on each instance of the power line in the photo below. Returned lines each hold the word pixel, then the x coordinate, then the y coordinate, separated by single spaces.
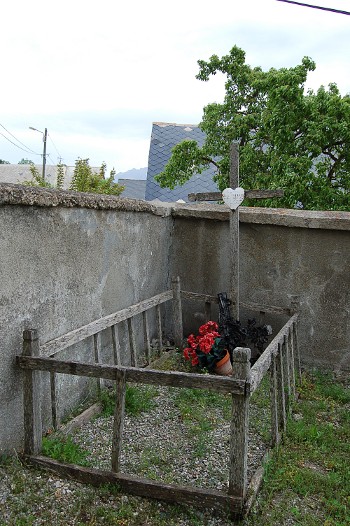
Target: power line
pixel 316 7
pixel 53 162
pixel 59 155
pixel 28 150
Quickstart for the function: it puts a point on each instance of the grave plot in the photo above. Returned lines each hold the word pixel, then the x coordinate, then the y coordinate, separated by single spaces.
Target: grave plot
pixel 234 490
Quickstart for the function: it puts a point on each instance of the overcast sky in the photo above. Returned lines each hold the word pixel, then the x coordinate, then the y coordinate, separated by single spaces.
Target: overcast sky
pixel 96 74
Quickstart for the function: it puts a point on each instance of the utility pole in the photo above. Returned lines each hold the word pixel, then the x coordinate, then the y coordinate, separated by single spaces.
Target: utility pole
pixel 44 154
pixel 44 134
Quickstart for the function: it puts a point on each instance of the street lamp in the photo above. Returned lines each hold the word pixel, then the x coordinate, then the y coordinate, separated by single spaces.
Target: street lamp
pixel 44 134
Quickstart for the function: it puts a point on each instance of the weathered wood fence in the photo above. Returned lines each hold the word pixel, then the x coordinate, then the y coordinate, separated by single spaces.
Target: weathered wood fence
pixel 280 359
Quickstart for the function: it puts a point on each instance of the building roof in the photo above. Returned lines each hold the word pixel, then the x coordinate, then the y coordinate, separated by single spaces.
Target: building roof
pixel 164 137
pixel 20 173
pixel 134 188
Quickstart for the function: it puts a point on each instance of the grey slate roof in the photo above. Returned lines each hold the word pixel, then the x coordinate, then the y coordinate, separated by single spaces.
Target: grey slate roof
pixel 164 137
pixel 134 188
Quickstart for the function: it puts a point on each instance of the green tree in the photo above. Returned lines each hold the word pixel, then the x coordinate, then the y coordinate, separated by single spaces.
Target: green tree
pixel 3 162
pixel 25 161
pixel 288 138
pixel 37 178
pixel 60 176
pixel 86 180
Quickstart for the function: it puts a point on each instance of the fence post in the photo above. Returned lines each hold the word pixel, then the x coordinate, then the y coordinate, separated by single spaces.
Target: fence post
pixel 132 342
pixel 31 396
pixel 54 404
pixel 275 435
pixel 159 329
pixel 118 423
pixel 116 345
pixel 146 337
pixel 297 350
pixel 290 350
pixel 282 421
pixel 239 426
pixel 97 353
pixel 177 313
pixel 286 374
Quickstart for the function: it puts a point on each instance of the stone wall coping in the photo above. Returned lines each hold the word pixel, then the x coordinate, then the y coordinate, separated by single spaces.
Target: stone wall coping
pixel 329 220
pixel 15 194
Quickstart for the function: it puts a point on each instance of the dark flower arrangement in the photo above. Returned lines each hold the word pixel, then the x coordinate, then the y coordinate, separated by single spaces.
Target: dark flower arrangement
pixel 210 346
pixel 236 335
pixel 207 348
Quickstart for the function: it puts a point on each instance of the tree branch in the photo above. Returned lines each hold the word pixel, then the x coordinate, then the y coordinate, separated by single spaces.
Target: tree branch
pixel 210 160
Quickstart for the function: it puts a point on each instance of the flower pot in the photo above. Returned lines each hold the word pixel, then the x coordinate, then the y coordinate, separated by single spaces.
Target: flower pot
pixel 223 366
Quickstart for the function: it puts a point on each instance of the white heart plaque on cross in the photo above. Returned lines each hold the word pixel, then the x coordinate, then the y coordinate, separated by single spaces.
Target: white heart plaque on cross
pixel 233 197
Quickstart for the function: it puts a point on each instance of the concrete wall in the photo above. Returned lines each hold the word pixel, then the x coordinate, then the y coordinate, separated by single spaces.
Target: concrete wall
pixel 68 258
pixel 65 260
pixel 287 257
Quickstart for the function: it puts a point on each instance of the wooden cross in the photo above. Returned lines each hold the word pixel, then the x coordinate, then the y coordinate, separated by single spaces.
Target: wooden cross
pixel 234 220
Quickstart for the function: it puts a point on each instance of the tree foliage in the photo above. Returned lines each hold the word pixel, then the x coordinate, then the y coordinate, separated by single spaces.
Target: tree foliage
pixel 3 162
pixel 37 178
pixel 84 179
pixel 288 138
pixel 25 161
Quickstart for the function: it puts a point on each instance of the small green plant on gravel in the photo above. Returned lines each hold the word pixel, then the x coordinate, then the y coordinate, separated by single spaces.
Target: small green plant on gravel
pixel 192 401
pixel 201 409
pixel 138 399
pixel 5 459
pixel 152 461
pixel 65 450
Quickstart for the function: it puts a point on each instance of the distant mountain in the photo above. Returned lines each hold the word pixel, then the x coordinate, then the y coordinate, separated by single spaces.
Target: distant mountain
pixel 134 173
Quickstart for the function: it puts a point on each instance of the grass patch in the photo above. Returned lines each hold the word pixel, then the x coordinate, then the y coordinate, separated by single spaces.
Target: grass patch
pixel 138 399
pixel 64 449
pixel 201 410
pixel 311 468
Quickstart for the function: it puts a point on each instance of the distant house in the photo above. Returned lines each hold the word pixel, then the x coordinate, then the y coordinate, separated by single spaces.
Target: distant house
pixel 20 173
pixel 164 137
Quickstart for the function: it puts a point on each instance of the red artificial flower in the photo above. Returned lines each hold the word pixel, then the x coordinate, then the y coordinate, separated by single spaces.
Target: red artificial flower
pixel 186 353
pixel 206 342
pixel 192 341
pixel 202 343
pixel 195 361
pixel 189 353
pixel 210 326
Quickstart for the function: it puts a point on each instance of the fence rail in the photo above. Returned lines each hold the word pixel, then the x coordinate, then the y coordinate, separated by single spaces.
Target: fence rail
pixel 207 298
pixel 281 359
pixel 66 340
pixel 262 365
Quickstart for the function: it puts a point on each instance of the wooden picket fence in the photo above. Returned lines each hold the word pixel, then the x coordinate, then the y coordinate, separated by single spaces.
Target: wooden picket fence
pixel 281 359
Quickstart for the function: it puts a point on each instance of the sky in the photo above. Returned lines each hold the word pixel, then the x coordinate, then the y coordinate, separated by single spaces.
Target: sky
pixel 97 74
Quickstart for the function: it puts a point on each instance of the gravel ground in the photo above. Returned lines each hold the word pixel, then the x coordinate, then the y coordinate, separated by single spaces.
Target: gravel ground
pixel 158 444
